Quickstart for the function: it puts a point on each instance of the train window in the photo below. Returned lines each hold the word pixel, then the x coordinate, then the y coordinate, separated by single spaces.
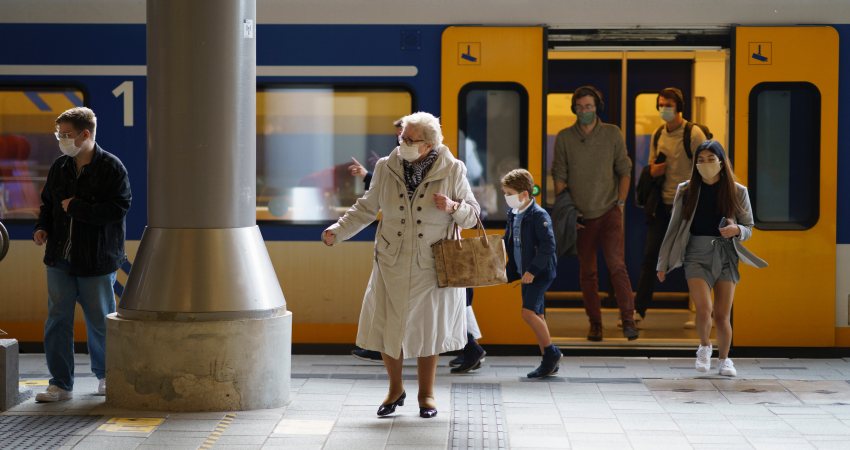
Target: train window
pixel 558 117
pixel 647 122
pixel 784 168
pixel 28 146
pixel 492 140
pixel 307 137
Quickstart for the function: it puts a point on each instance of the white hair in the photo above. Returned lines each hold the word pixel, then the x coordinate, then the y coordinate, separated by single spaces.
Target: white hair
pixel 428 124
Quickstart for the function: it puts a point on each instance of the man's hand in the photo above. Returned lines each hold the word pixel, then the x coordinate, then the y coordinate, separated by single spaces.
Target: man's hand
pixel 357 169
pixel 661 275
pixel 527 278
pixel 65 203
pixel 40 237
pixel 657 170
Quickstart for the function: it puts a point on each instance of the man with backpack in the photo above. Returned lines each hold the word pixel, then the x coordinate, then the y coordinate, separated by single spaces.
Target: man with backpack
pixel 670 159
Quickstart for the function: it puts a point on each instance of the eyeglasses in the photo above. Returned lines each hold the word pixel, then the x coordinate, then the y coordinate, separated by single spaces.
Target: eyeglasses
pixel 408 141
pixel 65 135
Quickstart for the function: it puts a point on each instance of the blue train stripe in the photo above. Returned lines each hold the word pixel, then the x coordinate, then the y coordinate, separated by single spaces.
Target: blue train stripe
pixel 72 97
pixel 37 101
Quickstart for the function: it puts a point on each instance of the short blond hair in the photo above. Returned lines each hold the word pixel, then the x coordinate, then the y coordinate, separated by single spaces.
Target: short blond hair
pixel 81 118
pixel 519 180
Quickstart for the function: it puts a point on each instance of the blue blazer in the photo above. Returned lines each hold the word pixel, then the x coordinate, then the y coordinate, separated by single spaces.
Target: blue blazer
pixel 538 245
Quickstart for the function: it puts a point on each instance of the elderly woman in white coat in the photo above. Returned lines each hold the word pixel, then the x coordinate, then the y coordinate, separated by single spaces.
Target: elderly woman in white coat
pixel 421 191
pixel 711 217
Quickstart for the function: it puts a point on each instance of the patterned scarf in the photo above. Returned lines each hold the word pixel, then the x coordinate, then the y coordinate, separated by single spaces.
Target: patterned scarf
pixel 414 172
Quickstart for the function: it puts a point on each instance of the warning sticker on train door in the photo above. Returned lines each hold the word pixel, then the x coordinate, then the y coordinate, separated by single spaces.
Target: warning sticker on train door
pixel 761 53
pixel 469 53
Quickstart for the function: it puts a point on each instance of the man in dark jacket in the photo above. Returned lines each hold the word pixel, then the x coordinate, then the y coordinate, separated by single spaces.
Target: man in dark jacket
pixel 83 206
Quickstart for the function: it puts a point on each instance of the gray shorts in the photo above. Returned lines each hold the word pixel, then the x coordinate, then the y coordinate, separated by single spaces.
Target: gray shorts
pixel 712 259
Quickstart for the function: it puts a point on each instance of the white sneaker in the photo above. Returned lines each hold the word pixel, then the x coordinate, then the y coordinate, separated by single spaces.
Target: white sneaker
pixel 703 362
pixel 101 386
pixel 727 368
pixel 54 394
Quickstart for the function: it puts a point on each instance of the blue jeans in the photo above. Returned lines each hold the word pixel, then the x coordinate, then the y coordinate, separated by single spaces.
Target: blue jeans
pixel 97 300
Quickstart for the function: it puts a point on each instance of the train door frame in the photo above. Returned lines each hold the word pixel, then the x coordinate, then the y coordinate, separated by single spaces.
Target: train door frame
pixel 626 115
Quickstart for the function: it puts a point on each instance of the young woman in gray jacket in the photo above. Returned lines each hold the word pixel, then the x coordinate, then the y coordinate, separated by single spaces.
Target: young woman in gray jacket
pixel 711 217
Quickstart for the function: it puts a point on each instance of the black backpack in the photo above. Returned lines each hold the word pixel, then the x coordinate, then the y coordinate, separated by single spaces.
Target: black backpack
pixel 648 190
pixel 686 136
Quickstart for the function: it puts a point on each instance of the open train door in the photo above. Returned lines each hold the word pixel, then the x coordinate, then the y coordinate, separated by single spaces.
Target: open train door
pixel 785 121
pixel 492 115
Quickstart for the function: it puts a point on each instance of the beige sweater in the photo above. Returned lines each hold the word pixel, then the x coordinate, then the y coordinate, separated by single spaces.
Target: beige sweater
pixel 679 166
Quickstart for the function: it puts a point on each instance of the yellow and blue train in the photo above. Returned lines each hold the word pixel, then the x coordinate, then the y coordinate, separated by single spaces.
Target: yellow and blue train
pixel 773 85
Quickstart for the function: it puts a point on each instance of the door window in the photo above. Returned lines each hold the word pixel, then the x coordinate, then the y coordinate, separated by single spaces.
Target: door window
pixel 493 140
pixel 784 167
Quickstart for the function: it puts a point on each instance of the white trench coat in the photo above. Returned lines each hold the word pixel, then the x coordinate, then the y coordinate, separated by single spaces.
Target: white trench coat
pixel 404 312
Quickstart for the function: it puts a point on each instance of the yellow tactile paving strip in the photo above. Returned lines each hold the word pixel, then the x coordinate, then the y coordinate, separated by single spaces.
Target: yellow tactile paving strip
pixel 131 424
pixel 219 430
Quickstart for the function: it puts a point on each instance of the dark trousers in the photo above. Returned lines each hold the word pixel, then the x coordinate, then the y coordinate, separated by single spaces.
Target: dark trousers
pixel 656 228
pixel 605 232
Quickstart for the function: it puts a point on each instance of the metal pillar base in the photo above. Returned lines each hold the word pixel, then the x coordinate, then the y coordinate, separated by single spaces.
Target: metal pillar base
pixel 201 274
pixel 232 365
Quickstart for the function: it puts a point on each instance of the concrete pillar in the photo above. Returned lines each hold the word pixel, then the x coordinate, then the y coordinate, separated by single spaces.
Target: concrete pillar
pixel 202 324
pixel 9 374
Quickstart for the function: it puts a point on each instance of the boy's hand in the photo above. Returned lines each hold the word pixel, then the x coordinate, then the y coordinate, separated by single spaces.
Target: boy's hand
pixel 527 278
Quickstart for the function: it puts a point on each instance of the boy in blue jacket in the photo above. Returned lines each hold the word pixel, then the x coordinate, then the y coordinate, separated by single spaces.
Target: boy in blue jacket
pixel 530 244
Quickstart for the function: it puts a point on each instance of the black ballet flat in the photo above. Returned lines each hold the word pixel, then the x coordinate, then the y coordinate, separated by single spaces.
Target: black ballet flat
pixel 427 413
pixel 389 408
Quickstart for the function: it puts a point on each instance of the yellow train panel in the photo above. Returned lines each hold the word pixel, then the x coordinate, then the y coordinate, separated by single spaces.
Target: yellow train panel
pixel 502 54
pixel 791 302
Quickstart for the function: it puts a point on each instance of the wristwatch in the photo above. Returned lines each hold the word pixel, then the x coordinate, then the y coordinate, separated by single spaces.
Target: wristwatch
pixel 455 207
pixel 621 203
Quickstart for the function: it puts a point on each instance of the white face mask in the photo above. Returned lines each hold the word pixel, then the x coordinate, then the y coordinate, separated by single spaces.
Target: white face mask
pixel 66 146
pixel 408 153
pixel 708 170
pixel 513 201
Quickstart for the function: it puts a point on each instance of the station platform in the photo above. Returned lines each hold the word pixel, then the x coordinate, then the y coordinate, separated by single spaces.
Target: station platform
pixel 594 403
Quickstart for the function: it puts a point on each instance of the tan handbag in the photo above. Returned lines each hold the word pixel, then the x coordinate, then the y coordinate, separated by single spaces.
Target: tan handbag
pixel 471 262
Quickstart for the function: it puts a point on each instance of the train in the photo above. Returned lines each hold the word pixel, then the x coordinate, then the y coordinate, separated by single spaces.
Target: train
pixel 770 79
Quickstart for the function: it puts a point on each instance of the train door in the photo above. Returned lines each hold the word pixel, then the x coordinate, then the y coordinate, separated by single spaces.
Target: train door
pixel 492 117
pixel 786 138
pixel 630 80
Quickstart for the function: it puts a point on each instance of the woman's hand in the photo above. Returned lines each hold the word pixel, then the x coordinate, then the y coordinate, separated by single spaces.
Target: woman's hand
pixel 730 230
pixel 328 237
pixel 444 203
pixel 661 275
pixel 527 278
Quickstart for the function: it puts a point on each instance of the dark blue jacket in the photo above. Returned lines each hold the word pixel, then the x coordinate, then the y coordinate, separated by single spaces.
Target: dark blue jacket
pixel 538 245
pixel 101 200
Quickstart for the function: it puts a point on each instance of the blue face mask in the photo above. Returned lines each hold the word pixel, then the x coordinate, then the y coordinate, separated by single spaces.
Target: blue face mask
pixel 586 117
pixel 667 113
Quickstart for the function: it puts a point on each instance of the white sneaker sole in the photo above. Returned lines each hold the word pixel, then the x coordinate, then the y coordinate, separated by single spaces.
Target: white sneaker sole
pixel 39 398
